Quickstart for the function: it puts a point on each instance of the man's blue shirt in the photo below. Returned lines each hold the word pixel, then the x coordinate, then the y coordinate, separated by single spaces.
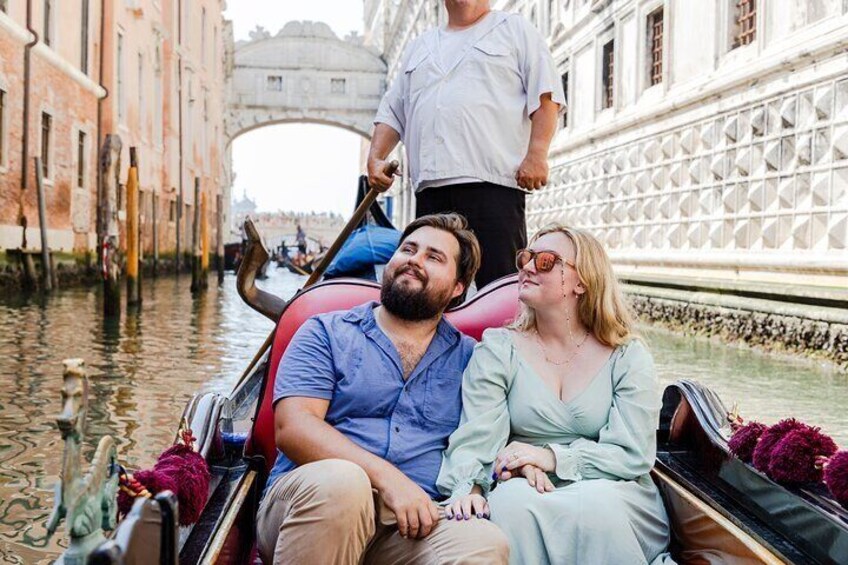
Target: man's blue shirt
pixel 345 358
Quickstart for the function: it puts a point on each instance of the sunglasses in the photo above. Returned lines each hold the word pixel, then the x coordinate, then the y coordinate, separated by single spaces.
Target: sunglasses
pixel 544 261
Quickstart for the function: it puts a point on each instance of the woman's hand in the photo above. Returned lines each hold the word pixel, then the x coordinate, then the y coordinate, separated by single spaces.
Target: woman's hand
pixel 517 455
pixel 468 506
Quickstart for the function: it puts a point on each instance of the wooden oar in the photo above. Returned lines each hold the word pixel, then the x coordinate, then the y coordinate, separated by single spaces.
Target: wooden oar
pixel 358 214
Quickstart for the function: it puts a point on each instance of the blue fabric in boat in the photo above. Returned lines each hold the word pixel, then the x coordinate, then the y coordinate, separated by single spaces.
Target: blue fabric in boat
pixel 366 247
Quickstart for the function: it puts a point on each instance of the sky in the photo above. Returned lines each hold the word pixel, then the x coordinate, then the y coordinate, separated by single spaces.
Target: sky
pixel 297 167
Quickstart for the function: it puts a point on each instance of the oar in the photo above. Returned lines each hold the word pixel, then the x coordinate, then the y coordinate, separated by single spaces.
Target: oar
pixel 358 214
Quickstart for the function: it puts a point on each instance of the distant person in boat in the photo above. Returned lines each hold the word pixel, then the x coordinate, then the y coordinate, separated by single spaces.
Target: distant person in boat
pixel 300 239
pixel 364 403
pixel 475 103
pixel 559 418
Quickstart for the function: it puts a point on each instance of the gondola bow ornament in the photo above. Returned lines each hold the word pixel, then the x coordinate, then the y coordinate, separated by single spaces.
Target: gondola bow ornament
pixel 85 500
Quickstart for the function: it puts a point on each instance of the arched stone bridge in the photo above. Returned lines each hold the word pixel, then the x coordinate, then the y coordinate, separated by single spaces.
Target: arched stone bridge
pixel 304 73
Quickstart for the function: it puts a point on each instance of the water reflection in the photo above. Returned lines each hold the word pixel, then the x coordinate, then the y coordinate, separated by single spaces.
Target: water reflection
pixel 144 366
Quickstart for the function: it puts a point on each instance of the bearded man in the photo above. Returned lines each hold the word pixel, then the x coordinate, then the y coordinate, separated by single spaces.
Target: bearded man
pixel 364 403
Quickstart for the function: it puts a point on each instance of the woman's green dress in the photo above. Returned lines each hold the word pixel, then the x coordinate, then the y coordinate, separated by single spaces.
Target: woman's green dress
pixel 605 508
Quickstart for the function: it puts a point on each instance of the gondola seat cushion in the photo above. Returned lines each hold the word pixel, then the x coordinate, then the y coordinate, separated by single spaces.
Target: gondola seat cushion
pixel 493 306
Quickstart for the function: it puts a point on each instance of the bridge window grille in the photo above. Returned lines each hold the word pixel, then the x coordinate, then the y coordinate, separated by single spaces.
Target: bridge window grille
pixel 338 85
pixel 565 106
pixel 275 83
pixel 655 23
pixel 746 22
pixel 608 73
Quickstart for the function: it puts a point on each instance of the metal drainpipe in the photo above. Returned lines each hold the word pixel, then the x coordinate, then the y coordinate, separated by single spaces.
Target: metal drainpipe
pixel 100 195
pixel 25 136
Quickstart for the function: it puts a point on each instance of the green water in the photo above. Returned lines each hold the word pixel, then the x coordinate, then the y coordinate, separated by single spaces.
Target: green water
pixel 144 367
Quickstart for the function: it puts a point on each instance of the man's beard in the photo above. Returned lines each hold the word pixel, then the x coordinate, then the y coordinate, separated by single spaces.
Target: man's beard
pixel 408 303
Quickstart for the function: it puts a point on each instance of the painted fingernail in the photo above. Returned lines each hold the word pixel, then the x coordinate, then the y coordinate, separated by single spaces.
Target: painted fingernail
pixel 479 515
pixel 494 476
pixel 467 517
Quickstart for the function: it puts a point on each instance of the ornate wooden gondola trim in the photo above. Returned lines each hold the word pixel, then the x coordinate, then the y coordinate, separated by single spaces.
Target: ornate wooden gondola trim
pixel 754 546
pixel 225 525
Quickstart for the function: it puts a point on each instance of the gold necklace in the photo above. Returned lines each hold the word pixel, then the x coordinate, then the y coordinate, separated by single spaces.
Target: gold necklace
pixel 569 359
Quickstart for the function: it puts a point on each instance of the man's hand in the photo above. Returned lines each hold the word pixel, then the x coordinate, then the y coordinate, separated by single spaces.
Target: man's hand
pixel 532 174
pixel 381 174
pixel 416 513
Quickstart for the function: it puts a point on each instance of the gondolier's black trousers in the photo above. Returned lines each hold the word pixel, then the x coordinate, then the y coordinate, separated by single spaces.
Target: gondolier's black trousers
pixel 496 215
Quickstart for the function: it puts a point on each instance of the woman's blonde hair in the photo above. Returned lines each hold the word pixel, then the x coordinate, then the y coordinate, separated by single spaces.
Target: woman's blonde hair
pixel 601 308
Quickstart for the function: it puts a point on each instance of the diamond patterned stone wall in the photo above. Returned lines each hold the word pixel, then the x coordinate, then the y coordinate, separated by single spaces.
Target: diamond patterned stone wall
pixel 768 177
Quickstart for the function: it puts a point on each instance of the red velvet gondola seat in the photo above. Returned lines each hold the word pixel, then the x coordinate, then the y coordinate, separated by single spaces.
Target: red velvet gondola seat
pixel 493 306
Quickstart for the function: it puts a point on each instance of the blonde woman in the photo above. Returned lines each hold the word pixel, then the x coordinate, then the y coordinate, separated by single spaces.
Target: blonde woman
pixel 559 413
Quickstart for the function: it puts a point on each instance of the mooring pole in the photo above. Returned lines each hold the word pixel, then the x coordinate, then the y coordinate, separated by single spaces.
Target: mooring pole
pixel 110 270
pixel 154 219
pixel 195 236
pixel 204 241
pixel 219 244
pixel 47 279
pixel 133 295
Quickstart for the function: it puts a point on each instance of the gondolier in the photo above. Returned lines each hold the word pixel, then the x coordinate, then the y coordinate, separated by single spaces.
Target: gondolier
pixel 476 105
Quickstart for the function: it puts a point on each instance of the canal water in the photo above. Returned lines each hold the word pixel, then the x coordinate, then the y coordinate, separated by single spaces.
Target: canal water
pixel 144 367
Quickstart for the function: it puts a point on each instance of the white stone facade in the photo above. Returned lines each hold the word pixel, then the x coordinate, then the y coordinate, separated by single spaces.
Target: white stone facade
pixel 728 162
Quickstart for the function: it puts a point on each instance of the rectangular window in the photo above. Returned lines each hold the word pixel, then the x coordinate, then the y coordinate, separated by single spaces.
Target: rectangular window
pixel 84 38
pixel 565 92
pixel 746 22
pixel 46 127
pixel 337 85
pixel 2 126
pixel 186 24
pixel 608 73
pixel 172 213
pixel 203 36
pixel 655 32
pixel 122 103
pixel 81 160
pixel 48 19
pixel 275 83
pixel 142 115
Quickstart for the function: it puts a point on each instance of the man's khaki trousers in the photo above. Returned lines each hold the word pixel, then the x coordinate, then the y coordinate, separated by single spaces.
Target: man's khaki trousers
pixel 324 513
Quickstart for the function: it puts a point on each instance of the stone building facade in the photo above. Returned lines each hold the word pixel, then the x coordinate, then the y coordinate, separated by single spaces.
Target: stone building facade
pixel 150 71
pixel 702 139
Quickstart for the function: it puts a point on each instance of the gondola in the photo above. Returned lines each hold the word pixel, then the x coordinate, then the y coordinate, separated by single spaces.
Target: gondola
pixel 721 510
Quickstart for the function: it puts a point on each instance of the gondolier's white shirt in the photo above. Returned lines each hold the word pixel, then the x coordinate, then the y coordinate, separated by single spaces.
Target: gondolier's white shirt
pixel 471 120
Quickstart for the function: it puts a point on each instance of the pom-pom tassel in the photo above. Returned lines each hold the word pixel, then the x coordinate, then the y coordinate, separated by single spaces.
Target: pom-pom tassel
pixel 762 452
pixel 795 458
pixel 744 440
pixel 836 477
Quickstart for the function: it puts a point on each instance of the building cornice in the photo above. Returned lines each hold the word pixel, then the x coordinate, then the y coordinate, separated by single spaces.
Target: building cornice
pixel 17 32
pixel 75 74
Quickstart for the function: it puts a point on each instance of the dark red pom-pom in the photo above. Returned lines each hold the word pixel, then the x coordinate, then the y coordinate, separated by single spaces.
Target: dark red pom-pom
pixel 836 477
pixel 190 473
pixel 744 440
pixel 154 481
pixel 762 453
pixel 793 458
